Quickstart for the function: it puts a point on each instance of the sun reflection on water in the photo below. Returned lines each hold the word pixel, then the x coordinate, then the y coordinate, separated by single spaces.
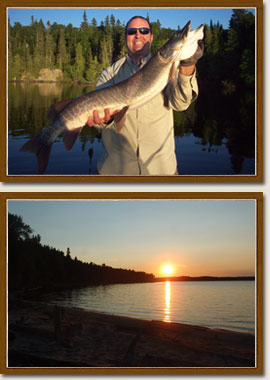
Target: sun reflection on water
pixel 167 309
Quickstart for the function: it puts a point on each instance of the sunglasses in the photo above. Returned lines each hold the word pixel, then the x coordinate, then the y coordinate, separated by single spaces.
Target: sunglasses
pixel 132 31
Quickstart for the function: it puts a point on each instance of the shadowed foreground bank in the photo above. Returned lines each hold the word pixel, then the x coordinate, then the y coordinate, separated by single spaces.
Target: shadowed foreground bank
pixel 50 336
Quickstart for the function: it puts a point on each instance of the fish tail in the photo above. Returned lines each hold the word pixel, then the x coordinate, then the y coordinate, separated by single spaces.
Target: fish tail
pixel 41 149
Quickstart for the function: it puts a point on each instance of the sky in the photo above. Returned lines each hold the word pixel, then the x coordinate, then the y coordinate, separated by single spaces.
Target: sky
pixel 171 17
pixel 197 237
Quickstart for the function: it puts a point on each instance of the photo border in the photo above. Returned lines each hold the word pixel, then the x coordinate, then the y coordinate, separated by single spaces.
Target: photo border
pixel 258 177
pixel 257 196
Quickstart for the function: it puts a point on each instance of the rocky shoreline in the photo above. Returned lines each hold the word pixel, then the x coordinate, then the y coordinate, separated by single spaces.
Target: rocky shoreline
pixel 47 336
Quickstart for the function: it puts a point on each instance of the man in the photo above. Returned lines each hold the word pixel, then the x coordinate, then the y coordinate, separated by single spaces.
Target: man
pixel 145 144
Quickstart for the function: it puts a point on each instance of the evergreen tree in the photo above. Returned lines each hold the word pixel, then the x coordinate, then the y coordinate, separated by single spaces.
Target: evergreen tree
pixel 84 24
pixel 49 48
pixel 122 47
pixel 85 38
pixel 17 229
pixel 112 20
pixel 62 56
pixel 107 22
pixel 93 70
pixel 106 52
pixel 94 22
pixel 79 65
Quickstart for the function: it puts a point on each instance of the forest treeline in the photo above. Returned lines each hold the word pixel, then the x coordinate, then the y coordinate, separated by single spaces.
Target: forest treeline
pixel 34 265
pixel 80 54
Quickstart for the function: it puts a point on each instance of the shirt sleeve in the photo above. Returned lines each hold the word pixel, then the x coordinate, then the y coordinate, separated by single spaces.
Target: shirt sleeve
pixel 180 95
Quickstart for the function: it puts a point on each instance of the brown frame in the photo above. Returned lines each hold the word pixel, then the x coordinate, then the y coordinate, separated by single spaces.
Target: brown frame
pixel 258 177
pixel 257 196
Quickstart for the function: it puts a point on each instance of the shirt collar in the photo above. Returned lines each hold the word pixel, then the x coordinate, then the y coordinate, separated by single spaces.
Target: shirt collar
pixel 132 62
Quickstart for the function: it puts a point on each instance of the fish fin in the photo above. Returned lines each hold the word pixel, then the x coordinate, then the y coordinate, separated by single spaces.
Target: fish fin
pixel 41 150
pixel 184 32
pixel 70 136
pixel 56 108
pixel 173 75
pixel 119 119
pixel 52 113
pixel 43 158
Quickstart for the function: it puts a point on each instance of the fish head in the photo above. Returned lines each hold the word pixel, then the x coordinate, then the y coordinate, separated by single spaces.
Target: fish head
pixel 182 44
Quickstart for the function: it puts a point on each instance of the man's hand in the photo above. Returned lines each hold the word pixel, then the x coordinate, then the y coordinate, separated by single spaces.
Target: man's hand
pixel 187 66
pixel 194 58
pixel 96 119
pixel 187 70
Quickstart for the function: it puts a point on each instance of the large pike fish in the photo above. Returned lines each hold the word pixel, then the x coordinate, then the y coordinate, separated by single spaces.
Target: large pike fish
pixel 128 94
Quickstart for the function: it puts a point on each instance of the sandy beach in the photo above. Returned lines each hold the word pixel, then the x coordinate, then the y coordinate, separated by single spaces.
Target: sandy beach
pixel 49 336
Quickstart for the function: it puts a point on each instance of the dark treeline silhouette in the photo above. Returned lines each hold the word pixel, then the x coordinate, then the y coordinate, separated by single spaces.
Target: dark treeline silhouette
pixel 227 87
pixel 224 112
pixel 34 265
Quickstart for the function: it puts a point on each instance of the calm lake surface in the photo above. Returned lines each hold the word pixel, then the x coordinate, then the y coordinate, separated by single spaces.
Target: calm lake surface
pixel 222 304
pixel 214 147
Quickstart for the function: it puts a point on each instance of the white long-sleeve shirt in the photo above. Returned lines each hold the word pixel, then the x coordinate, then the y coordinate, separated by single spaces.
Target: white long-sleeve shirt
pixel 145 145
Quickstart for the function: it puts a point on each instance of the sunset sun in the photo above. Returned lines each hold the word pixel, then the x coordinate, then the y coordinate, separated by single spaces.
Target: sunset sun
pixel 167 269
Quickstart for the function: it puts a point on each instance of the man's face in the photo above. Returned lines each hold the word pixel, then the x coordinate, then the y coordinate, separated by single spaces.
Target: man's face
pixel 139 42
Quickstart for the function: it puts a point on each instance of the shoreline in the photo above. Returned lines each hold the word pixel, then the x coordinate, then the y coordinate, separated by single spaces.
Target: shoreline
pixel 52 336
pixel 67 286
pixel 74 82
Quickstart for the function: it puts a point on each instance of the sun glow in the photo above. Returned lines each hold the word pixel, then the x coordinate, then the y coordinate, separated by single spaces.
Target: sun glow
pixel 167 269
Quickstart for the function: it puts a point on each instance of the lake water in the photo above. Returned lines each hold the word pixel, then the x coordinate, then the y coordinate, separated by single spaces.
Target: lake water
pixel 220 304
pixel 203 147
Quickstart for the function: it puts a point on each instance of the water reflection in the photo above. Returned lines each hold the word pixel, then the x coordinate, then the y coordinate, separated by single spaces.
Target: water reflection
pixel 167 309
pixel 207 142
pixel 50 89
